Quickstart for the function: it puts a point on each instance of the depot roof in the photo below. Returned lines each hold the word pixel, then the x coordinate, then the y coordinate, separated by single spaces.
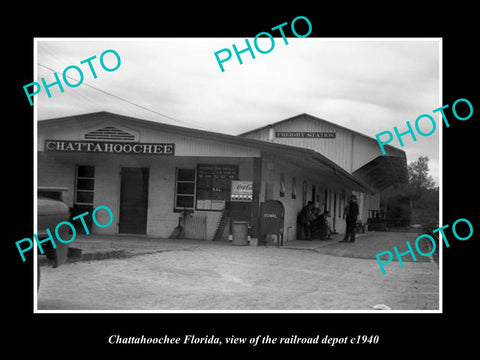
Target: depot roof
pixel 380 173
pixel 303 157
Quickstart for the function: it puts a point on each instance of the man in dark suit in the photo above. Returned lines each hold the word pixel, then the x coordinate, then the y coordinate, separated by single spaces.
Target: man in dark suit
pixel 351 213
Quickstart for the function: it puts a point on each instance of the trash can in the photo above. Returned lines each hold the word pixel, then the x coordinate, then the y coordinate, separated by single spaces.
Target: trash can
pixel 240 232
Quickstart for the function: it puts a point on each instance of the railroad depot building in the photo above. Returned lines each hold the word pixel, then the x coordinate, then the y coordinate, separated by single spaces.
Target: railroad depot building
pixel 149 173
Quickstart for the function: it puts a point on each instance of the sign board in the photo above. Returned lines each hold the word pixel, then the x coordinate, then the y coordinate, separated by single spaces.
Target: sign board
pixel 305 134
pixel 241 190
pixel 109 147
pixel 213 185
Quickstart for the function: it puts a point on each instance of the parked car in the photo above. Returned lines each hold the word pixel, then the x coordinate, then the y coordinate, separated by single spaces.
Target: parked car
pixel 51 210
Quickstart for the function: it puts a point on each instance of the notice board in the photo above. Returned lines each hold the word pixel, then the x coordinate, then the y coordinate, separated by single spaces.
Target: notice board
pixel 213 185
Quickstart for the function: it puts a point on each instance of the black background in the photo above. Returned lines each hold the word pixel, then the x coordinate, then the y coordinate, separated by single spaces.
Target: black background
pixel 86 334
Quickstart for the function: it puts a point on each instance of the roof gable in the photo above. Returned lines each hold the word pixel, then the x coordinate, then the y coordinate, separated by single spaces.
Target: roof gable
pixel 93 122
pixel 327 124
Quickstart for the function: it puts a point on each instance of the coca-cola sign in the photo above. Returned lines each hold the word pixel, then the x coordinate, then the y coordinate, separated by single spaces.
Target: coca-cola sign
pixel 244 187
pixel 242 190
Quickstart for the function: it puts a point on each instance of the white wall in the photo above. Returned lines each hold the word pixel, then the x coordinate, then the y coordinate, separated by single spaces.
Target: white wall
pixel 271 173
pixel 58 169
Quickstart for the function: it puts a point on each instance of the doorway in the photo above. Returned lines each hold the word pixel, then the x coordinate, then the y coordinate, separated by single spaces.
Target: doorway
pixel 133 201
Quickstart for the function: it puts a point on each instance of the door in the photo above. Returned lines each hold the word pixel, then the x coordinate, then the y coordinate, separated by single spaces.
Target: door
pixel 133 200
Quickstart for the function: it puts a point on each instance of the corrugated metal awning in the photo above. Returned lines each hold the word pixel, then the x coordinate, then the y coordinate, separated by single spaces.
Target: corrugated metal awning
pixel 384 171
pixel 314 161
pixel 352 181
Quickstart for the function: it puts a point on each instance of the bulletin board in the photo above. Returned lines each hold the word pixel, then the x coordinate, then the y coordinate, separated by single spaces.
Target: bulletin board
pixel 213 185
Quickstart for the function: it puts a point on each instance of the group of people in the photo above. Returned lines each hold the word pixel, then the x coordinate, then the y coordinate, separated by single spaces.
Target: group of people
pixel 311 223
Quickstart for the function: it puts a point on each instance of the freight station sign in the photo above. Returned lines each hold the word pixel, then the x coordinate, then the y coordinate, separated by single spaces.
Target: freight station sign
pixel 110 147
pixel 305 134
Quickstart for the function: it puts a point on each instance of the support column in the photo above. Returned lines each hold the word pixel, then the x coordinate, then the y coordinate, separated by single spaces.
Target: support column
pixel 257 185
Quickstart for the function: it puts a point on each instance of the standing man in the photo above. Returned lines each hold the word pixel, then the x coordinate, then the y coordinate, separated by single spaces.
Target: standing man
pixel 304 220
pixel 351 212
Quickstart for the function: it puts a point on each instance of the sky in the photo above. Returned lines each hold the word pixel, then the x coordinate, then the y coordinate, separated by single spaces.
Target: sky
pixel 367 85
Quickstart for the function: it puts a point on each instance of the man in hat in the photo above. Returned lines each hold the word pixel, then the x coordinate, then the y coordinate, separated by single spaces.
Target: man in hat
pixel 351 213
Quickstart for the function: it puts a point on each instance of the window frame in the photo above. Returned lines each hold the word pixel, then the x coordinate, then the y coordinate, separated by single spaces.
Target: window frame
pixel 294 187
pixel 193 196
pixel 77 190
pixel 282 189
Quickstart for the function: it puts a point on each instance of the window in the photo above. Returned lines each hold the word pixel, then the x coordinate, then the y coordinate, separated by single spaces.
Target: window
pixel 294 188
pixel 335 205
pixel 185 189
pixel 84 185
pixel 282 185
pixel 304 193
pixel 326 200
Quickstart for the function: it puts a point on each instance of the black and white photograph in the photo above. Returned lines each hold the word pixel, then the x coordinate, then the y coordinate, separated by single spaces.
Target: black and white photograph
pixel 225 179
pixel 269 186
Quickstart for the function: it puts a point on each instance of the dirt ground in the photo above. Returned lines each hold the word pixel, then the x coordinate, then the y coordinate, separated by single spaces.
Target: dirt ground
pixel 211 276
